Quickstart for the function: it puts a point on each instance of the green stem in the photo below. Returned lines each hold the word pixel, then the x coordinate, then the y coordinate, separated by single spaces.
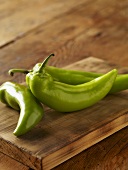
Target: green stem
pixel 44 63
pixel 24 71
pixel 12 71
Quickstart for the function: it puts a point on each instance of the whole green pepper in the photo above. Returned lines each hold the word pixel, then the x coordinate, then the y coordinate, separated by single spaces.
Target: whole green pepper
pixel 75 77
pixel 67 98
pixel 19 97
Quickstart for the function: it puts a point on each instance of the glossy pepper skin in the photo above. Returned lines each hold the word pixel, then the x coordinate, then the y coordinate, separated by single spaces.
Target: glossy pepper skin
pixel 75 77
pixel 19 97
pixel 67 98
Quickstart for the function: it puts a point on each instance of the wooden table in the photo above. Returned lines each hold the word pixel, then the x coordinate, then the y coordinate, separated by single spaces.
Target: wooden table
pixel 73 30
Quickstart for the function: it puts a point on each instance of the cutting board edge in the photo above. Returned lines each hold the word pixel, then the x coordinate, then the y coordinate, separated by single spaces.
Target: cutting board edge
pixel 25 156
pixel 83 143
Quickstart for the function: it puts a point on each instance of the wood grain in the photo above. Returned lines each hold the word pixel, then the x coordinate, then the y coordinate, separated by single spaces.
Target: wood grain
pixel 7 163
pixel 24 16
pixel 72 30
pixel 25 54
pixel 107 38
pixel 60 136
pixel 109 154
pixel 95 30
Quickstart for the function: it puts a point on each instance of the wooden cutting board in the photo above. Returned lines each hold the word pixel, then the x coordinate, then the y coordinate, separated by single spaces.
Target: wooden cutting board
pixel 60 136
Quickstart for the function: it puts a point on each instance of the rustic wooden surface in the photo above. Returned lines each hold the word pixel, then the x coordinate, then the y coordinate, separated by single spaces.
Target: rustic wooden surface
pixel 72 30
pixel 60 136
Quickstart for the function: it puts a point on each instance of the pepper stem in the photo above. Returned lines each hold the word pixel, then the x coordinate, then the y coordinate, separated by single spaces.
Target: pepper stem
pixel 12 71
pixel 45 62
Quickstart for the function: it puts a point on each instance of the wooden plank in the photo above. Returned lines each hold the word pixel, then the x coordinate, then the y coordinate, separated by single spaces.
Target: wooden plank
pixel 60 136
pixel 7 163
pixel 110 153
pixel 75 40
pixel 105 29
pixel 106 39
pixel 43 40
pixel 21 17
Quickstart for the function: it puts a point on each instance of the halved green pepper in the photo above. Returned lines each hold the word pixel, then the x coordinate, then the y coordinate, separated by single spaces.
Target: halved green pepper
pixel 19 97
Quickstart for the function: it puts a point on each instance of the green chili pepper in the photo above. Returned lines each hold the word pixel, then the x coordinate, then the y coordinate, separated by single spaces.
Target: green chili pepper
pixel 19 97
pixel 67 98
pixel 75 77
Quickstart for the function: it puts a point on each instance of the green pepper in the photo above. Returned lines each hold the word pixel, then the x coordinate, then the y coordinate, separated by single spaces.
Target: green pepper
pixel 75 77
pixel 20 98
pixel 64 97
